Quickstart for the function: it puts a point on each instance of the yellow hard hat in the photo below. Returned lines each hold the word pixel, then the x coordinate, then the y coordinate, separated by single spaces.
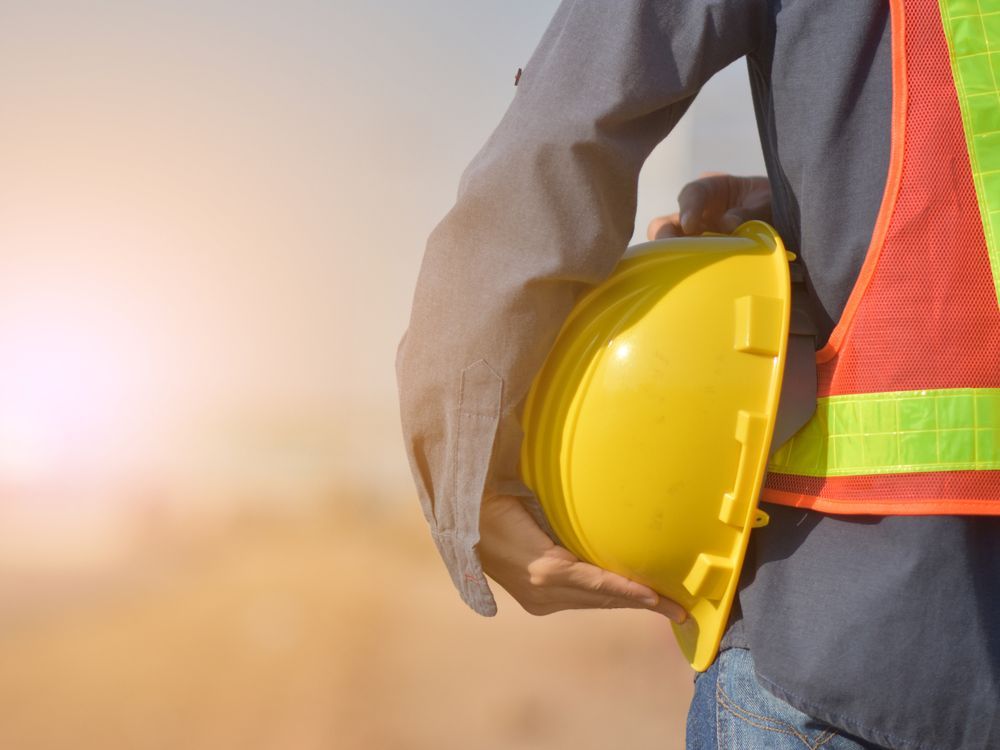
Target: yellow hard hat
pixel 647 428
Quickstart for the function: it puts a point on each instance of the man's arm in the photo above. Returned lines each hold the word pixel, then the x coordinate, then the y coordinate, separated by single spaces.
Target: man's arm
pixel 544 212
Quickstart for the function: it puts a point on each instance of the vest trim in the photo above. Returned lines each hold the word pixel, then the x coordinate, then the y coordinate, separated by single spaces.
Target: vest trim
pixel 974 52
pixel 885 506
pixel 902 432
pixel 892 183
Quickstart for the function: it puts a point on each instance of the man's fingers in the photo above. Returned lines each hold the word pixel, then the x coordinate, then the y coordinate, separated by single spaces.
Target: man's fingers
pixel 563 581
pixel 605 584
pixel 663 227
pixel 596 584
pixel 670 609
pixel 734 218
pixel 586 577
pixel 721 202
pixel 703 201
pixel 576 598
pixel 753 209
pixel 715 202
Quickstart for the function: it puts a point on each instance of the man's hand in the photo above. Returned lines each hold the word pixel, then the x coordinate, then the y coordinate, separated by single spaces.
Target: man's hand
pixel 544 577
pixel 715 203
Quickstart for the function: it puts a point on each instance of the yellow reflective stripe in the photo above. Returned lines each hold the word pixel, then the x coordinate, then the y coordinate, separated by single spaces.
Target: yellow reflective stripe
pixel 974 48
pixel 955 429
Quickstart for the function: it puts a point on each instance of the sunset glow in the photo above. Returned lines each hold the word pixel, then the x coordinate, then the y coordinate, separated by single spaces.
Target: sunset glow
pixel 72 381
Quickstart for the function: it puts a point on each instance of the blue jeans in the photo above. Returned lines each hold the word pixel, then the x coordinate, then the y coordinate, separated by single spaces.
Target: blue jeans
pixel 731 710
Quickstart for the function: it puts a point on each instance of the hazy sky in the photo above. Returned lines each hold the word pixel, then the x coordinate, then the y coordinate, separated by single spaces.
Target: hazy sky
pixel 215 208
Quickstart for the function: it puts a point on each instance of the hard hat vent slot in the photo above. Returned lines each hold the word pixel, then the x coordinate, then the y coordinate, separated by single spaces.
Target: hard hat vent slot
pixel 709 577
pixel 758 325
pixel 750 432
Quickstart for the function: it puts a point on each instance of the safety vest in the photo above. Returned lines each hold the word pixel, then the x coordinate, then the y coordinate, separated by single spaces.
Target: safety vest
pixel 907 420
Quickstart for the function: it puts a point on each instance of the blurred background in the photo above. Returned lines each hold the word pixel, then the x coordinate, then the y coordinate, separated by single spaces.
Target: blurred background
pixel 212 214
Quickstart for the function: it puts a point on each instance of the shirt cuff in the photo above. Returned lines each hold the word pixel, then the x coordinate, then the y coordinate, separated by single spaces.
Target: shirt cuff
pixel 460 556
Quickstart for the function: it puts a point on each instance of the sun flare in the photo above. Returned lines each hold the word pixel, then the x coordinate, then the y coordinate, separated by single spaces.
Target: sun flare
pixel 69 385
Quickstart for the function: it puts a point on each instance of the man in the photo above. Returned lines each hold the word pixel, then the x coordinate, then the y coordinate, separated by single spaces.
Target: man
pixel 868 614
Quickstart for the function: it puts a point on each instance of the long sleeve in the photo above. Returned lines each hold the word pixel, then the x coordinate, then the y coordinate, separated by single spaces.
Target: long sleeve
pixel 544 212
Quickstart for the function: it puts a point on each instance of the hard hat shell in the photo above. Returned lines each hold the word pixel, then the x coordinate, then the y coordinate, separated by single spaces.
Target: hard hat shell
pixel 647 428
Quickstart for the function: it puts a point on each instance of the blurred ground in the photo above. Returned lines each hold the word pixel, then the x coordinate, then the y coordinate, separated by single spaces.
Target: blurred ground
pixel 332 628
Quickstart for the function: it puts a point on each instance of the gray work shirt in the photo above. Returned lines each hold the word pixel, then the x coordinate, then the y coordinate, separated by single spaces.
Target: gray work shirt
pixel 888 628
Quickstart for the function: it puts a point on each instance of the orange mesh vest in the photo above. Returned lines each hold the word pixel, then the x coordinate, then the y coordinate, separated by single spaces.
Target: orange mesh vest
pixel 908 407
